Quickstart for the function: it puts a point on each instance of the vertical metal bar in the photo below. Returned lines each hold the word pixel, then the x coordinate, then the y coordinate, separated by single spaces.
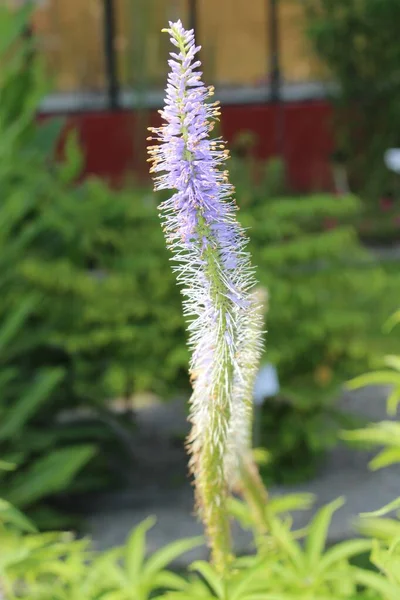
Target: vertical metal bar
pixel 193 21
pixel 274 66
pixel 110 55
pixel 276 76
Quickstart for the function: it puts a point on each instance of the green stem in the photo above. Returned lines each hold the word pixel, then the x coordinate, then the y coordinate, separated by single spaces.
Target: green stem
pixel 211 485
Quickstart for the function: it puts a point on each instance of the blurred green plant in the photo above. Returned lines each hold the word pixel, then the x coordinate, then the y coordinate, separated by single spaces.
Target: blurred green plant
pixel 386 433
pixel 356 40
pixel 78 296
pixel 383 530
pixel 283 568
pixel 52 566
pixel 324 288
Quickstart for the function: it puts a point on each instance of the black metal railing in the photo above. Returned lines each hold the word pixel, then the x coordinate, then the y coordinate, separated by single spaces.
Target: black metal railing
pixel 110 56
pixel 273 50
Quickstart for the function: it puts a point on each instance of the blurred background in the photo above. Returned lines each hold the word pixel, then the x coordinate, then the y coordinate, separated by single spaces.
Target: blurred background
pixel 93 359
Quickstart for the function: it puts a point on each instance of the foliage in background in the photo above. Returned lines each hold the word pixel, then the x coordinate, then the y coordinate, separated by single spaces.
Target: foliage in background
pixel 357 41
pixel 54 566
pixel 387 433
pixel 324 288
pixel 105 316
pixel 83 309
pixel 378 525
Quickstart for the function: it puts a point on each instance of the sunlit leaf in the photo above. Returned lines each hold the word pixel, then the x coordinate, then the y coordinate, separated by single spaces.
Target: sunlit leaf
pixel 318 531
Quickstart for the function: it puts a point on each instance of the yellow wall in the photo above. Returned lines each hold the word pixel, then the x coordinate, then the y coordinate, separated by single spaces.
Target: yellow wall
pixel 298 62
pixel 233 34
pixel 71 40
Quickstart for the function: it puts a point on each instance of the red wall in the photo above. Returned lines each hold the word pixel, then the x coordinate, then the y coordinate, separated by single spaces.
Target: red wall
pixel 108 139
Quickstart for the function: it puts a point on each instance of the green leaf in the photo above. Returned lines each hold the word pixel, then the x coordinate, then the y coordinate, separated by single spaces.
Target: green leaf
pixel 135 549
pixel 11 515
pixel 384 510
pixel 392 361
pixel 379 528
pixel 393 402
pixel 341 552
pixel 47 135
pixel 285 542
pixel 240 511
pixel 385 433
pixel 12 24
pixel 377 582
pixel 160 559
pixel 49 475
pixel 14 420
pixel 290 502
pixel 318 531
pixel 240 589
pixel 375 378
pixel 15 321
pixel 7 466
pixel 385 458
pixel 392 321
pixel 211 577
pixel 71 168
pixel 169 580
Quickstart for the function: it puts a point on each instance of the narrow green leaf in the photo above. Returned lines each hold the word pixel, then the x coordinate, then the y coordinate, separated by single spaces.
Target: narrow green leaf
pixel 135 551
pixel 49 475
pixel 240 511
pixel 16 320
pixel 318 531
pixel 393 402
pixel 388 508
pixel 379 528
pixel 385 433
pixel 71 168
pixel 7 466
pixel 211 577
pixel 290 502
pixel 375 378
pixel 393 361
pixel 377 582
pixel 240 588
pixel 343 551
pixel 160 559
pixel 12 24
pixel 12 516
pixel 385 458
pixel 169 580
pixel 46 135
pixel 286 544
pixel 27 405
pixel 392 322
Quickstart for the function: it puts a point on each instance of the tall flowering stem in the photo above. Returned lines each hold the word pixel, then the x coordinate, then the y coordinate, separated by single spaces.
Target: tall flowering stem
pixel 216 278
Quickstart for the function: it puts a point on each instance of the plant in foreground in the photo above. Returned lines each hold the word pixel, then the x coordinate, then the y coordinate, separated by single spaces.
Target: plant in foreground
pixel 214 269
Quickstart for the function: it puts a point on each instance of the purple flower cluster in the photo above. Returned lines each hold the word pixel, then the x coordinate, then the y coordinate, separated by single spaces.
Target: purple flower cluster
pixel 199 212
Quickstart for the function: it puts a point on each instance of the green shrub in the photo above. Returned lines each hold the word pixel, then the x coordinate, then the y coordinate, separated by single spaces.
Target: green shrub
pixel 84 311
pixel 323 289
pixel 357 41
pixel 54 566
pixel 57 567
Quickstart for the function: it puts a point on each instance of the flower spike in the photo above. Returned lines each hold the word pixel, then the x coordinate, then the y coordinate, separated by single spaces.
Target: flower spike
pixel 216 277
